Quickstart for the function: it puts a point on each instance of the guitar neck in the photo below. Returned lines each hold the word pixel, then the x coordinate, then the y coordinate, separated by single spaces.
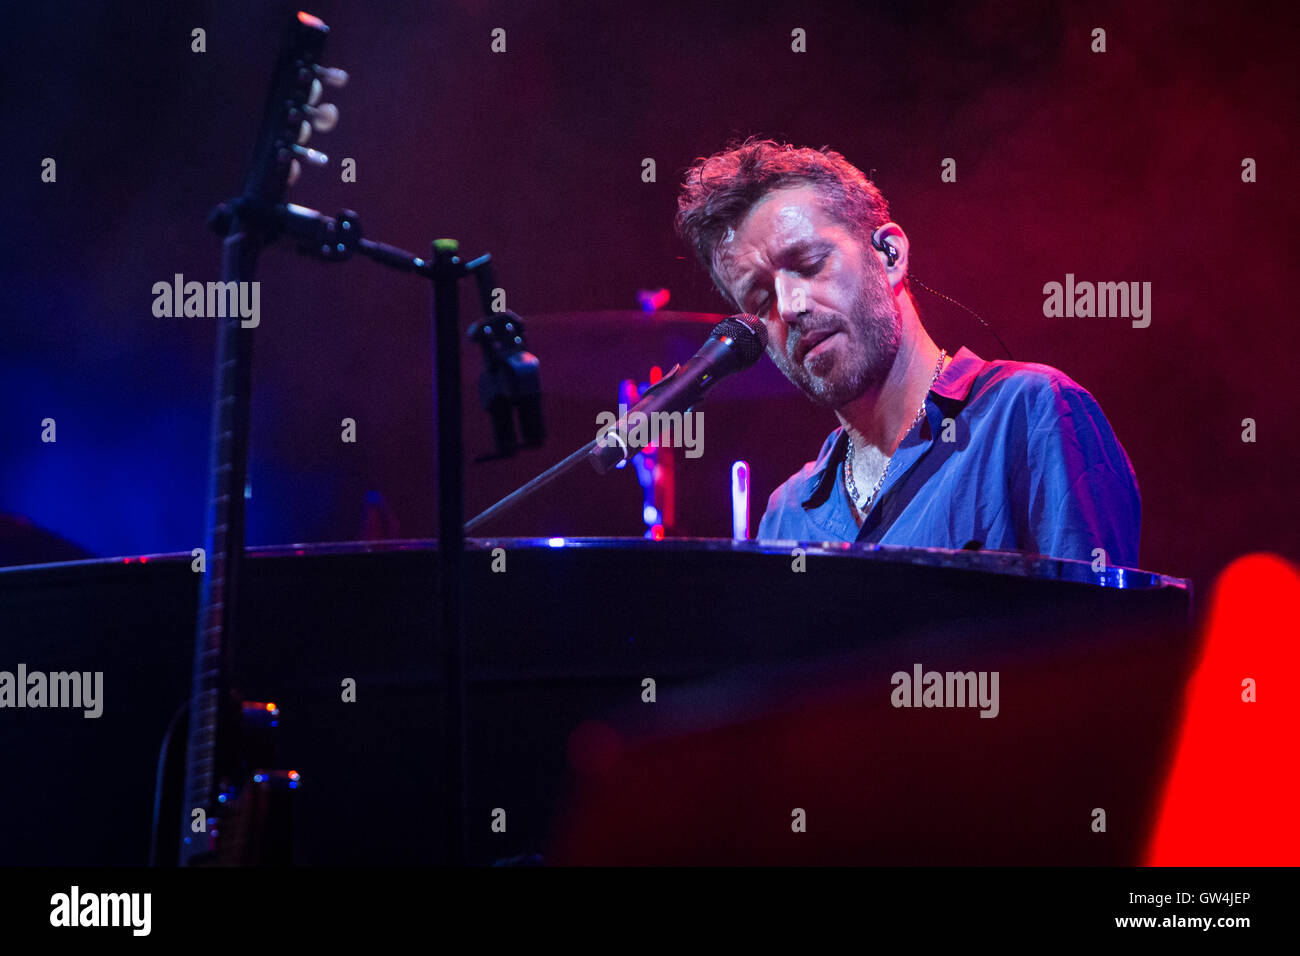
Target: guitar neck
pixel 289 113
pixel 206 760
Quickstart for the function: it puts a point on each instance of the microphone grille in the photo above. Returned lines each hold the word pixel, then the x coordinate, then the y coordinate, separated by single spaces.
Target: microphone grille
pixel 748 334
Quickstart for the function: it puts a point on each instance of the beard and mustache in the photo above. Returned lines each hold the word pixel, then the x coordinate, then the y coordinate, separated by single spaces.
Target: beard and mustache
pixel 872 333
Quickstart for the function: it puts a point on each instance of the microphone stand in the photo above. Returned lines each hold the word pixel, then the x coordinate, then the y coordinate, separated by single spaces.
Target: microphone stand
pixel 537 484
pixel 564 467
pixel 684 385
pixel 336 240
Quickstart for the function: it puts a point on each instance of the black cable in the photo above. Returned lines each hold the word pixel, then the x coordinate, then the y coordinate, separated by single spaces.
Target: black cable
pixel 971 311
pixel 158 782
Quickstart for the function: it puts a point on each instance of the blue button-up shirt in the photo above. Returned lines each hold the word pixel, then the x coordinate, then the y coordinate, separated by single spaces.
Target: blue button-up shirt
pixel 1014 455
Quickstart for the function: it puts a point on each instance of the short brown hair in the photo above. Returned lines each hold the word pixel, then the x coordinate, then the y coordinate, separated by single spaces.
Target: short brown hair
pixel 719 190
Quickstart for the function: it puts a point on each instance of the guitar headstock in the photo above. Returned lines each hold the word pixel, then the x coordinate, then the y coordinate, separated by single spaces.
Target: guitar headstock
pixel 293 111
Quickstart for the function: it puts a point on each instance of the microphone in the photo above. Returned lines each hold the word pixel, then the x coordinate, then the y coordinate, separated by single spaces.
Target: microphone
pixel 734 344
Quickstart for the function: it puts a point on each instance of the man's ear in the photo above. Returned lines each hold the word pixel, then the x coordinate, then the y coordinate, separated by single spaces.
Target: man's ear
pixel 890 243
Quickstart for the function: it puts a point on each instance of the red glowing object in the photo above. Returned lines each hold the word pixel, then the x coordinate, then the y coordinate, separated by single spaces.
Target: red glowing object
pixel 1230 797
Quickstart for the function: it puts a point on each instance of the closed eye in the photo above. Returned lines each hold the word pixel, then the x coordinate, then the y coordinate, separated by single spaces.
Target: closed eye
pixel 803 268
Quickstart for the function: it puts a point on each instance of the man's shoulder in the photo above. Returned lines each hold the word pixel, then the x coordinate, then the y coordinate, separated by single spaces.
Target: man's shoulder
pixel 1031 391
pixel 1034 380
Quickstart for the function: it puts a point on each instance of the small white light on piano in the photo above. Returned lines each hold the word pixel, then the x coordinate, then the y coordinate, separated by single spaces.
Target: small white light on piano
pixel 650 515
pixel 555 542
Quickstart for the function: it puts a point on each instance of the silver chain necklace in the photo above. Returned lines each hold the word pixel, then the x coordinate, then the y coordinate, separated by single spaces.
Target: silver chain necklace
pixel 865 505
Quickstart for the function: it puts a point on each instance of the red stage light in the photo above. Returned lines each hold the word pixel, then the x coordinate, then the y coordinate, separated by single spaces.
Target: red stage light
pixel 1230 797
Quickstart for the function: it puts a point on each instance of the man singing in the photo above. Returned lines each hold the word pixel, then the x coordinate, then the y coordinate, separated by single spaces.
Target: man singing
pixel 932 450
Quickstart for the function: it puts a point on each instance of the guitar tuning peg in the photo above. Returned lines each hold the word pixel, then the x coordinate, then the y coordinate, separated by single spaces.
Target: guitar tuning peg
pixel 316 90
pixel 323 117
pixel 304 132
pixel 308 155
pixel 295 170
pixel 332 76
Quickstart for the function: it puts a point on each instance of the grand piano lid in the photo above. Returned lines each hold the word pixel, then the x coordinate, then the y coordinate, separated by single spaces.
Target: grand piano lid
pixel 1015 563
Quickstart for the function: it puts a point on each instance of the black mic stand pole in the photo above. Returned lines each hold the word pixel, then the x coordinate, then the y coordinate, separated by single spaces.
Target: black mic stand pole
pixel 447 273
pixel 538 483
pixel 568 464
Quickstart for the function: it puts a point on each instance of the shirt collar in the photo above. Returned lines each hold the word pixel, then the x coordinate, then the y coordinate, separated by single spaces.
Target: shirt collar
pixel 953 384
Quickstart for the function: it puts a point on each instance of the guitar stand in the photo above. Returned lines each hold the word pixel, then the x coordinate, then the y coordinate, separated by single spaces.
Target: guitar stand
pixel 337 240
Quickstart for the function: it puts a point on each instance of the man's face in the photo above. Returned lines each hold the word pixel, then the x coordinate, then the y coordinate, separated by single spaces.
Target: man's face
pixel 833 323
